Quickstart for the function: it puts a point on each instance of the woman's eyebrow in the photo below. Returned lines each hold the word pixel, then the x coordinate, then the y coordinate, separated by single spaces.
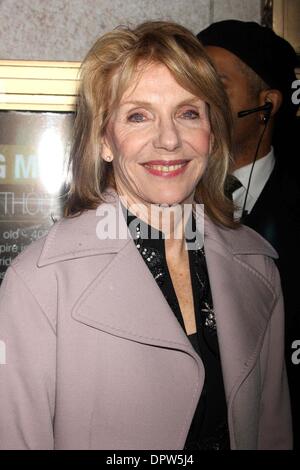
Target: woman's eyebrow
pixel 192 100
pixel 136 102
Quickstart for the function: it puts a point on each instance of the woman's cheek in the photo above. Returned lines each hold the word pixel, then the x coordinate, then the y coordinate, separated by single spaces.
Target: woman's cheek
pixel 203 142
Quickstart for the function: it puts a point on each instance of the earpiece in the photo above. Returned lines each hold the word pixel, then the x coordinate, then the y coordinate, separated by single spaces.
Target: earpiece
pixel 267 108
pixel 267 112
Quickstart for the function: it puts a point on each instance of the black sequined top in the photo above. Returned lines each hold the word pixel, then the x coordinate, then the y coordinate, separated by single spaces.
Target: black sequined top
pixel 209 427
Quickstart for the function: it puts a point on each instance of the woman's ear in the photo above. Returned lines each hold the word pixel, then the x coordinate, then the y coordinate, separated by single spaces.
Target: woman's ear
pixel 106 152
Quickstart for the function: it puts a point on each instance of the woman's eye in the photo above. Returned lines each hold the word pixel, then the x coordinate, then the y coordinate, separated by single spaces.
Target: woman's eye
pixel 136 117
pixel 190 114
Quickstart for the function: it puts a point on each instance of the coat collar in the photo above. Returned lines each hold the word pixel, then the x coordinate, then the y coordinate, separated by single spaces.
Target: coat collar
pixel 78 237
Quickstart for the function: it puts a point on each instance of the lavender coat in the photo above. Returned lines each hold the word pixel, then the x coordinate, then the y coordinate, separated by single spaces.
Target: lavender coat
pixel 95 358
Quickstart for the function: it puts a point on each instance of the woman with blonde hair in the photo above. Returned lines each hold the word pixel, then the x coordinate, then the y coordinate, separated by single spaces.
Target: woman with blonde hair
pixel 147 318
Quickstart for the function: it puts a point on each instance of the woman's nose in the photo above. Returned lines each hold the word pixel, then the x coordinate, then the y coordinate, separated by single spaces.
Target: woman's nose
pixel 167 137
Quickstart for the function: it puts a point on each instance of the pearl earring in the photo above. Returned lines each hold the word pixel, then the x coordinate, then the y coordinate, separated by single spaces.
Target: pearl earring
pixel 108 158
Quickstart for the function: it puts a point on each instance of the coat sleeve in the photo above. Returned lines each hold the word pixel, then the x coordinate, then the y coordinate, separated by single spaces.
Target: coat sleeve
pixel 27 368
pixel 275 426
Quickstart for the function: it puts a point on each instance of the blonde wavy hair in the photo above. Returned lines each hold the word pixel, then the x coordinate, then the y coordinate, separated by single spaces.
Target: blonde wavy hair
pixel 106 73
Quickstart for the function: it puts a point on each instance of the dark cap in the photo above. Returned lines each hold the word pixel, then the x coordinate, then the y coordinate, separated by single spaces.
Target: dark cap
pixel 269 55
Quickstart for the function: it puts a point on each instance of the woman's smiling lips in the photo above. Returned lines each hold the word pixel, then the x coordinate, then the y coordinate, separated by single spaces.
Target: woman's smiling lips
pixel 166 169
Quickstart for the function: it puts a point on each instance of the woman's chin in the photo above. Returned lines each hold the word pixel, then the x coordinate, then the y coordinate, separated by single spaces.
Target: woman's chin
pixel 170 199
pixel 157 196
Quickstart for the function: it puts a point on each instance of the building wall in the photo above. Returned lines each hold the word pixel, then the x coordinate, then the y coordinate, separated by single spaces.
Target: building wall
pixel 65 29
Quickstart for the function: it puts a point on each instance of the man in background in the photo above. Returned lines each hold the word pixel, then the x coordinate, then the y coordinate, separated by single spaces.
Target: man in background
pixel 257 68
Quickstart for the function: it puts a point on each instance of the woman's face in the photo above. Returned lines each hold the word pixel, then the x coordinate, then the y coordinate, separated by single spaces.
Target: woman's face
pixel 160 139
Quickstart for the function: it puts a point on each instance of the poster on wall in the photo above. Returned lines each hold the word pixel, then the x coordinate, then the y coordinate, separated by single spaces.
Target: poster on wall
pixel 34 148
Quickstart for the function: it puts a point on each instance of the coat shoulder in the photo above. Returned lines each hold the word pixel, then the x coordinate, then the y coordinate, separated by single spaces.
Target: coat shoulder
pixel 249 249
pixel 242 240
pixel 39 283
pixel 246 240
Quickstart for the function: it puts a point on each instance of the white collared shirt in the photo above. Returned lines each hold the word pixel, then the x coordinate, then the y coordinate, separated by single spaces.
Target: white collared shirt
pixel 260 175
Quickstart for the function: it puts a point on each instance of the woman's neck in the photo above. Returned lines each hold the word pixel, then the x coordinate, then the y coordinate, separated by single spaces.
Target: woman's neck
pixel 172 221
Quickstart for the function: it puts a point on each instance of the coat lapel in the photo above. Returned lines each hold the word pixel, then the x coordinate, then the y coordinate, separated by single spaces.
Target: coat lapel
pixel 242 300
pixel 133 305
